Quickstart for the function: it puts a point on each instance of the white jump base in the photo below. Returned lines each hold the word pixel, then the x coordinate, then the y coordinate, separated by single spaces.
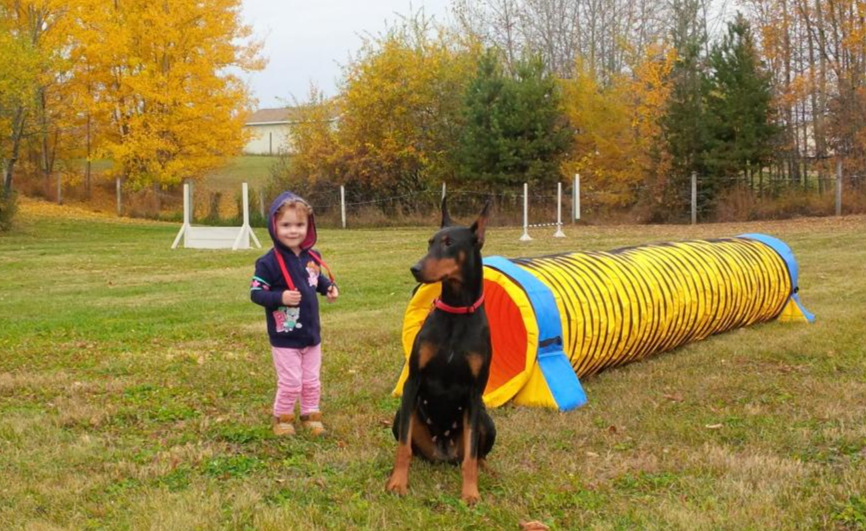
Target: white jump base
pixel 233 238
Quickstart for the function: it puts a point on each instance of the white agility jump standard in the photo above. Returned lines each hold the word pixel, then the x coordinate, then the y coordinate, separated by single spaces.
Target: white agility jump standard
pixel 215 237
pixel 527 225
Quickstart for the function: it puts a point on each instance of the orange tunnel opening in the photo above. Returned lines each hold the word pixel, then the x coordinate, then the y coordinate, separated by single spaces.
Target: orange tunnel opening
pixel 507 334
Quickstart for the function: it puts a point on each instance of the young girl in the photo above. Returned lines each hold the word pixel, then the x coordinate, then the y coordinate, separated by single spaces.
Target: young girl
pixel 286 281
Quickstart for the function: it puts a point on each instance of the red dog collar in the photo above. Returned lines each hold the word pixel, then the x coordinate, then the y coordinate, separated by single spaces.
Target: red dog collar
pixel 459 309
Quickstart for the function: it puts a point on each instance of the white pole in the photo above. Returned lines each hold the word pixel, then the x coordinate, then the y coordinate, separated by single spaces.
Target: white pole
pixel 559 233
pixel 246 232
pixel 246 197
pixel 185 226
pixel 443 191
pixel 186 204
pixel 119 209
pixel 343 204
pixel 694 197
pixel 576 191
pixel 525 237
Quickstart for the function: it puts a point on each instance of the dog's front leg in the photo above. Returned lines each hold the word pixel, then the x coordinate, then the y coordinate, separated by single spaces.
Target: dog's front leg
pixel 399 480
pixel 471 418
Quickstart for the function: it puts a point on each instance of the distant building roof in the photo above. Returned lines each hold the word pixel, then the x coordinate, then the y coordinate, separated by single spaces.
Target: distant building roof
pixel 280 115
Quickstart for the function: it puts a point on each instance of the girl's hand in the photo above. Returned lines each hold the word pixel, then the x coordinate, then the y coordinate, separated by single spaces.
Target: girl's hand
pixel 333 293
pixel 291 298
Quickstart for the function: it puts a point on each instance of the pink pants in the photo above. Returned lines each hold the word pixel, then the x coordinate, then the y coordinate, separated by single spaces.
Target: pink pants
pixel 297 377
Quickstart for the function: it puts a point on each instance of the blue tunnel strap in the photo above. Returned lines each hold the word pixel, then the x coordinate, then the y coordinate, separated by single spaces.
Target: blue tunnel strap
pixel 554 364
pixel 793 268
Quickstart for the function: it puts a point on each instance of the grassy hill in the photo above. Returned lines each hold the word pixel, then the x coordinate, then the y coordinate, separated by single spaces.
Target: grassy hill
pixel 254 169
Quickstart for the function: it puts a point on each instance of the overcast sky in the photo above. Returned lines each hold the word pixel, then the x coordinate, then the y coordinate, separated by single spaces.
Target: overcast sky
pixel 308 40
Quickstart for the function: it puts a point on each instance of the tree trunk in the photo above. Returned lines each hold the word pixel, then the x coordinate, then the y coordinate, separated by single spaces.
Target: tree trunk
pixel 17 134
pixel 43 160
pixel 87 167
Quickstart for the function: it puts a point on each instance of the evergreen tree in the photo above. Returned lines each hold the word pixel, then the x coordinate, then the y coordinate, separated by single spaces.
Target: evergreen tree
pixel 738 107
pixel 684 124
pixel 513 130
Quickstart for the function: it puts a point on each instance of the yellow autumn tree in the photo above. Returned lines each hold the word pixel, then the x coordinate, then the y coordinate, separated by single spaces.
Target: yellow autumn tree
pixel 37 38
pixel 617 146
pixel 176 110
pixel 649 90
pixel 604 139
pixel 19 67
pixel 317 155
pixel 400 105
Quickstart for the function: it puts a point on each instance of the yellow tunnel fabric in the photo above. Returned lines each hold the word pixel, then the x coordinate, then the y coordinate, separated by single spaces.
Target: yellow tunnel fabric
pixel 624 305
pixel 620 306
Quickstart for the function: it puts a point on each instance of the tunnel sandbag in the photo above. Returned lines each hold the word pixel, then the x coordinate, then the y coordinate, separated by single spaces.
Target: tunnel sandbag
pixel 554 319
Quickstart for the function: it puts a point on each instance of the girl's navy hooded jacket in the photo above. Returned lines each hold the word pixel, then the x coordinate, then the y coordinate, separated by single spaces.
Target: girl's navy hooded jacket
pixel 295 326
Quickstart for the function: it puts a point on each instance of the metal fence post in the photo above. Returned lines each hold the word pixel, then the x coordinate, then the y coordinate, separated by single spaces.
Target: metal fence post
pixel 525 237
pixel 343 204
pixel 838 186
pixel 575 199
pixel 119 197
pixel 694 198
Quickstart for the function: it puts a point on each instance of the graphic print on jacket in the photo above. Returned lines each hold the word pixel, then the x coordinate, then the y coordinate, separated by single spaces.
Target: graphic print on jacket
pixel 290 326
pixel 313 273
pixel 287 318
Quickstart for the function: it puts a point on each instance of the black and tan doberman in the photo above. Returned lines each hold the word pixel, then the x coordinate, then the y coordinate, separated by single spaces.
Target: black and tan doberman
pixel 442 417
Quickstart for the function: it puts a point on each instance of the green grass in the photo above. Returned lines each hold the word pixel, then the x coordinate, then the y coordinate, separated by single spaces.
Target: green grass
pixel 253 169
pixel 135 383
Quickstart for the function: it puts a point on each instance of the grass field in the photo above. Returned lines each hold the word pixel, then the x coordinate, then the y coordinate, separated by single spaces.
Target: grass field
pixel 135 383
pixel 254 170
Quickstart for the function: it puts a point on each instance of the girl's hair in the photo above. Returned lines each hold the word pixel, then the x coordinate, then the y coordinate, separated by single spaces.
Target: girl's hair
pixel 294 204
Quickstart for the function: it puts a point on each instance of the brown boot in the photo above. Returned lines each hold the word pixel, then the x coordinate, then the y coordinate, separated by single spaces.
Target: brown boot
pixel 313 422
pixel 283 425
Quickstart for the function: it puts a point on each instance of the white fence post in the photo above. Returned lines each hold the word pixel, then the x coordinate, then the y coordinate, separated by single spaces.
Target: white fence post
pixel 838 186
pixel 525 237
pixel 559 233
pixel 343 204
pixel 694 198
pixel 246 197
pixel 443 191
pixel 119 207
pixel 575 199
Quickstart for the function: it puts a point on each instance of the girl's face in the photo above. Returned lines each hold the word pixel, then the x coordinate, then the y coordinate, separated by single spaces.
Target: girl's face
pixel 292 228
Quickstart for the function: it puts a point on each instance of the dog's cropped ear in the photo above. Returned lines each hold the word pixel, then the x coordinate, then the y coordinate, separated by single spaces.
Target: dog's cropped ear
pixel 480 225
pixel 446 219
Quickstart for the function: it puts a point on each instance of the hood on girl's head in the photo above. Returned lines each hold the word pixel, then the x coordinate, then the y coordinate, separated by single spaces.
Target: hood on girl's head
pixel 309 241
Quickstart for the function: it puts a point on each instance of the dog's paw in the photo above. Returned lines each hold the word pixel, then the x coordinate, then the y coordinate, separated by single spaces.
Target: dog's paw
pixel 397 486
pixel 470 498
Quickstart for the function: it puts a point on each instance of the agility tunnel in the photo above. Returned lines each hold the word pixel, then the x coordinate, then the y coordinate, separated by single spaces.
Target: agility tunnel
pixel 555 319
